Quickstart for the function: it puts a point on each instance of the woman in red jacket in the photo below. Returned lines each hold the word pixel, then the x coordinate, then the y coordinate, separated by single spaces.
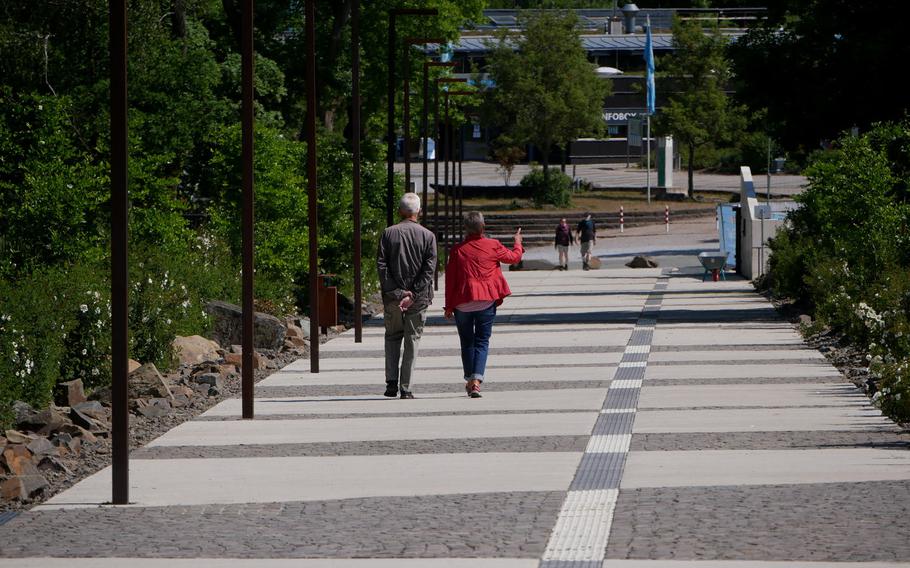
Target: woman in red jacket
pixel 475 287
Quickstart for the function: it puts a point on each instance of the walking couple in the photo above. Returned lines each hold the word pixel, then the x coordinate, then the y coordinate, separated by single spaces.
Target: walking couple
pixel 475 287
pixel 587 237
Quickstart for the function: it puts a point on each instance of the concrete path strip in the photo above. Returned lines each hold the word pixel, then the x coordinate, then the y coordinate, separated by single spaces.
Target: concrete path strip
pixel 162 483
pixel 742 395
pixel 221 433
pixel 721 371
pixel 830 419
pixel 763 467
pixel 589 372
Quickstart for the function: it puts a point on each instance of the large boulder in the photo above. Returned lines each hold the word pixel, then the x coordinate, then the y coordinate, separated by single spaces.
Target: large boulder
pixel 146 381
pixel 72 392
pixel 268 331
pixel 195 349
pixel 642 262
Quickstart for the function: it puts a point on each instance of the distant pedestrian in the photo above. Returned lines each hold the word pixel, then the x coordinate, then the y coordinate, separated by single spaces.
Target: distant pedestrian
pixel 406 262
pixel 475 287
pixel 587 236
pixel 564 239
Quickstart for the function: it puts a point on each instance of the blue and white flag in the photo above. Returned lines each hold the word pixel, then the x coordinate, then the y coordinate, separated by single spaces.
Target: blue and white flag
pixel 649 64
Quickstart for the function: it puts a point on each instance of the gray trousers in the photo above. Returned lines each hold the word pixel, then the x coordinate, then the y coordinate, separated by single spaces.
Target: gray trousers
pixel 402 327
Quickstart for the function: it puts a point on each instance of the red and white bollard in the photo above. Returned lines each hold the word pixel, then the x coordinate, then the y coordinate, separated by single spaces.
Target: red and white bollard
pixel 667 217
pixel 622 220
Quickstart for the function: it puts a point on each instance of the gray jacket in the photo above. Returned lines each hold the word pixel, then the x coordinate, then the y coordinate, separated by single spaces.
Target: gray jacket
pixel 406 262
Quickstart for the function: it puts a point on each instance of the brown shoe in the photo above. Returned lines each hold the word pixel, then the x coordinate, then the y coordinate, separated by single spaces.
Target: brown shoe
pixel 473 388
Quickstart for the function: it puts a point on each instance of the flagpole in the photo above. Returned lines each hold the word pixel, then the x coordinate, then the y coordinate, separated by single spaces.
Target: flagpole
pixel 648 162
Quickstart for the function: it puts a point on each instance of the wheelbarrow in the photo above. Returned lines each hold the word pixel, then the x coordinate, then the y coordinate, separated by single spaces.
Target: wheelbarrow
pixel 714 264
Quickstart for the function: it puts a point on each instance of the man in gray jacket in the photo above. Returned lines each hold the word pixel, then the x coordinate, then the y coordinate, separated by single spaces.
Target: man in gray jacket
pixel 406 261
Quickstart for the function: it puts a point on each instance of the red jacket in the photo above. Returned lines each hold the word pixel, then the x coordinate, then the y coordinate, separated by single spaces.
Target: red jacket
pixel 473 272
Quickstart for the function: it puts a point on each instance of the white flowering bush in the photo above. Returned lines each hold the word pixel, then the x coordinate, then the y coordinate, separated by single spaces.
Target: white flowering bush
pixel 845 254
pixel 31 343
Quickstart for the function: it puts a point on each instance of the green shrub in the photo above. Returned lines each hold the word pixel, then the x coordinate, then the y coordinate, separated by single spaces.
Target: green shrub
pixel 845 253
pixel 554 188
pixel 32 328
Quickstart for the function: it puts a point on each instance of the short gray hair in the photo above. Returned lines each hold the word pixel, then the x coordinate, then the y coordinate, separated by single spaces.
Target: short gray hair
pixel 473 222
pixel 410 203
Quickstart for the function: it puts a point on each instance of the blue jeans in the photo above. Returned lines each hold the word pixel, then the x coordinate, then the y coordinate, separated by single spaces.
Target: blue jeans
pixel 474 331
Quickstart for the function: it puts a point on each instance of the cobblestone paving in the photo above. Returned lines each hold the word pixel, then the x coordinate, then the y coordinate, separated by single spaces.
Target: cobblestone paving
pixel 455 387
pixel 768 440
pixel 379 354
pixel 578 500
pixel 812 522
pixel 377 448
pixel 492 525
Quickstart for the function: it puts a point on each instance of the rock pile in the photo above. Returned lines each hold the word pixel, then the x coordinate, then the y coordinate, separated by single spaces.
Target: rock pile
pixel 49 449
pixel 43 439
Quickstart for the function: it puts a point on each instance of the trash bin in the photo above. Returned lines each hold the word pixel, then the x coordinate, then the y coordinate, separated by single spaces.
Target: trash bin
pixel 328 301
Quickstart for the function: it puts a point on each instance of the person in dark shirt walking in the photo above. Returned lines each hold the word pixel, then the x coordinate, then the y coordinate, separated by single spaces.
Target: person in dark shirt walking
pixel 564 239
pixel 406 262
pixel 587 236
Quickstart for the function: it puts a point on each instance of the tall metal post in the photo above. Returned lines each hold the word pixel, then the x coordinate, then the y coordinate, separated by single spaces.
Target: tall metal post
pixel 312 186
pixel 408 42
pixel 390 94
pixel 248 219
pixel 355 155
pixel 446 157
pixel 390 123
pixel 426 144
pixel 460 185
pixel 436 182
pixel 120 487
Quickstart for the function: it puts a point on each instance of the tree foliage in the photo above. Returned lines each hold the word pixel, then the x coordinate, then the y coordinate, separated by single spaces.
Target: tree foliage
pixel 698 111
pixel 546 91
pixel 821 67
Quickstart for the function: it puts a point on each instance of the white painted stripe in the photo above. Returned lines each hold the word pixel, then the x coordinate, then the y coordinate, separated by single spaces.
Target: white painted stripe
pixel 611 444
pixel 583 526
pixel 638 349
pixel 626 384
pixel 646 322
pixel 633 364
pixel 618 411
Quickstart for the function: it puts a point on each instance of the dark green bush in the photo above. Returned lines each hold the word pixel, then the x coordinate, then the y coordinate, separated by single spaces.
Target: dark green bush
pixel 845 252
pixel 554 188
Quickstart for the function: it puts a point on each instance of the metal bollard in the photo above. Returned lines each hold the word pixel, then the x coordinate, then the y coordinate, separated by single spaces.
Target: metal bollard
pixel 622 220
pixel 667 217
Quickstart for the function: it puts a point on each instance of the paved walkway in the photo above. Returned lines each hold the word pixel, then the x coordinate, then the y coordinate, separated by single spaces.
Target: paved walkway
pixel 631 419
pixel 616 176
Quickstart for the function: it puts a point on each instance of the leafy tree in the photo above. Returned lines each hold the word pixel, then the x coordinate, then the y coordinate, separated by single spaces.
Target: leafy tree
pixel 821 67
pixel 507 155
pixel 546 91
pixel 698 111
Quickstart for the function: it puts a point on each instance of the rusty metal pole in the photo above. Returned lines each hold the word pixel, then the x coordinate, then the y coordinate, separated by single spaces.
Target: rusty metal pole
pixel 460 183
pixel 448 145
pixel 120 421
pixel 436 185
pixel 312 186
pixel 355 154
pixel 248 220
pixel 408 42
pixel 390 122
pixel 425 138
pixel 426 143
pixel 390 110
